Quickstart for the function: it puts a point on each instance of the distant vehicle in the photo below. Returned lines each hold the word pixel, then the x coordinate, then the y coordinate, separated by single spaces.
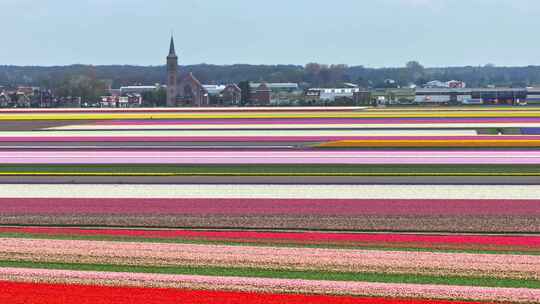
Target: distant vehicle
pixel 521 102
pixel 472 101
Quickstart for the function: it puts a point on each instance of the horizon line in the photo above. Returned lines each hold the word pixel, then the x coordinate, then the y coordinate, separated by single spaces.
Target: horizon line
pixel 260 64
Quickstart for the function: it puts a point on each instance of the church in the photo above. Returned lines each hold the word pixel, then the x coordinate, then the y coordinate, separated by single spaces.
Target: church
pixel 186 90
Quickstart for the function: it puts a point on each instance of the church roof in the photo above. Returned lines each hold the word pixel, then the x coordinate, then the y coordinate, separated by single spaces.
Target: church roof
pixel 263 87
pixel 234 86
pixel 190 77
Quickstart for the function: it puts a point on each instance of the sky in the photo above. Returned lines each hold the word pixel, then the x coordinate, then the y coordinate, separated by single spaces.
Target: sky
pixel 373 33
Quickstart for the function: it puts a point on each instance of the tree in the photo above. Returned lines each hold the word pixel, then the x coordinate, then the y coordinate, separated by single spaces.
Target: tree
pixel 421 81
pixel 161 97
pixel 414 65
pixel 155 98
pixel 89 89
pixel 415 71
pixel 312 73
pixel 246 94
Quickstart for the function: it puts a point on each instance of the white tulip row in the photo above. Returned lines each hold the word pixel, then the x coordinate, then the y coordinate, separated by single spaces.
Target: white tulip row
pixel 529 192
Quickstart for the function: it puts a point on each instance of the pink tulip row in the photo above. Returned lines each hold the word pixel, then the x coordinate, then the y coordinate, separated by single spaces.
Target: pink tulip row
pixel 343 260
pixel 258 138
pixel 183 110
pixel 269 157
pixel 292 121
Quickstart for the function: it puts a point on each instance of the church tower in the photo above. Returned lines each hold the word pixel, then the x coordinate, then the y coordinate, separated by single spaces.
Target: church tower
pixel 172 75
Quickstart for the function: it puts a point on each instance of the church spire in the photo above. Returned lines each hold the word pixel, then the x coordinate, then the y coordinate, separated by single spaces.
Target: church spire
pixel 172 52
pixel 172 75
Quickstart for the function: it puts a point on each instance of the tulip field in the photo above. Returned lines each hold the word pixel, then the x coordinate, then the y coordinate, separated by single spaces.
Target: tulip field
pixel 270 205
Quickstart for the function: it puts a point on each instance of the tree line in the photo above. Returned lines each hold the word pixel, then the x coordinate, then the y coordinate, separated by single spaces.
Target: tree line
pixel 92 81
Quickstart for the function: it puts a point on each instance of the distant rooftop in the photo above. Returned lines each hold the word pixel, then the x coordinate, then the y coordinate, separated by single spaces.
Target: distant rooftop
pixel 137 87
pixel 213 89
pixel 276 85
pixel 468 90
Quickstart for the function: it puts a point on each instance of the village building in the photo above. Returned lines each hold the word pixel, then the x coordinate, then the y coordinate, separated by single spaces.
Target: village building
pixel 5 100
pixel 261 95
pixel 232 94
pixel 224 95
pixel 264 93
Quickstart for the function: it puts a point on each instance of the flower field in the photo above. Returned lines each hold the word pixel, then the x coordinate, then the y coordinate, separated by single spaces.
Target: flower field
pixel 270 205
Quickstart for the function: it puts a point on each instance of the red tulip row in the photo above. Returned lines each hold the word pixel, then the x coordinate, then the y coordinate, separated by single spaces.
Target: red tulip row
pixel 388 240
pixel 22 293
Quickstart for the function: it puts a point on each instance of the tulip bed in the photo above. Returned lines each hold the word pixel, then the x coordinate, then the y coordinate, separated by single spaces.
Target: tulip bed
pixel 92 209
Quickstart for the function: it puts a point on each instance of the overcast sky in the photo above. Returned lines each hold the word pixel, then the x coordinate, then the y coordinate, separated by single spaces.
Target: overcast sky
pixel 372 33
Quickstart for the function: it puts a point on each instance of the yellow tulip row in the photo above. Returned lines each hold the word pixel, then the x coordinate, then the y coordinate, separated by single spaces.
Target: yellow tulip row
pixel 433 143
pixel 239 115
